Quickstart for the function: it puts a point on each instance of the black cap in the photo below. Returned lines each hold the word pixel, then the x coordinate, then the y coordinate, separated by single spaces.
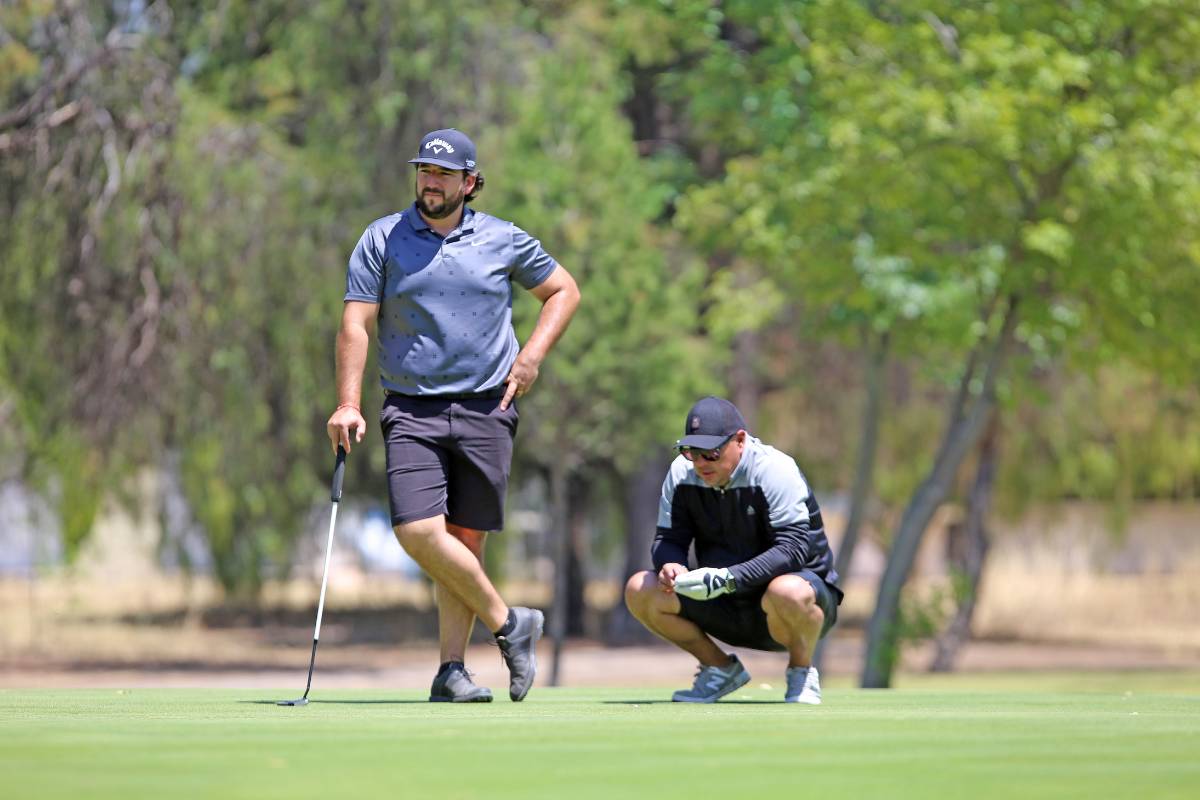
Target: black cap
pixel 710 422
pixel 449 148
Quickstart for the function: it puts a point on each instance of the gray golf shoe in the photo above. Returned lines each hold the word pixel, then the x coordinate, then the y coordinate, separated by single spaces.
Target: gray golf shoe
pixel 518 650
pixel 803 686
pixel 453 684
pixel 713 683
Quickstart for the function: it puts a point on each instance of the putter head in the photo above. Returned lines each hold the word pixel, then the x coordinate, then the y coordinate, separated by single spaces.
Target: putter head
pixel 300 701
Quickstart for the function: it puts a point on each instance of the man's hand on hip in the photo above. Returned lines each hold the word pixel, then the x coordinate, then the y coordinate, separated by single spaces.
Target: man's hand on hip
pixel 520 378
pixel 705 583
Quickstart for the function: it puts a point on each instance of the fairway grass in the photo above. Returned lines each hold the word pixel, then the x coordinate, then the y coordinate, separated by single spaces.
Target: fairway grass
pixel 1114 737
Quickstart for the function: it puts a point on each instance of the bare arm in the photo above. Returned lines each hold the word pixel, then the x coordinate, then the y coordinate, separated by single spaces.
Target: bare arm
pixel 353 340
pixel 559 296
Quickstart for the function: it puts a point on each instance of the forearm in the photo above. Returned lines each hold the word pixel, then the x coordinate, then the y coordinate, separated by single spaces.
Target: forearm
pixel 552 322
pixel 788 554
pixel 353 341
pixel 668 548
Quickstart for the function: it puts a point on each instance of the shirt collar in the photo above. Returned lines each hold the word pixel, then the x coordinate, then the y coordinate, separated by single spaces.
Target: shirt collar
pixel 415 220
pixel 465 225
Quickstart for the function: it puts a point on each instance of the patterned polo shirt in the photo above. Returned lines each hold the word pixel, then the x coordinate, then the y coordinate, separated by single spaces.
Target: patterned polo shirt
pixel 445 304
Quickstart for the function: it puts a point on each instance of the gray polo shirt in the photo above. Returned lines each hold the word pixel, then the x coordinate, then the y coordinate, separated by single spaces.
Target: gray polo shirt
pixel 445 305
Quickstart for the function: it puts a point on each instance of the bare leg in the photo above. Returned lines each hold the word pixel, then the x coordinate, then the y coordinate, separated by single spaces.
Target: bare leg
pixel 454 568
pixel 659 612
pixel 793 617
pixel 455 619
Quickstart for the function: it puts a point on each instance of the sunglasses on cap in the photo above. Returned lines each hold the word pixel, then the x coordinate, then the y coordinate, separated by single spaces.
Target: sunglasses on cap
pixel 692 453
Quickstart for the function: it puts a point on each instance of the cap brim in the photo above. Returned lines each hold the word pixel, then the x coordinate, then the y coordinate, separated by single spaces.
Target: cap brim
pixel 702 442
pixel 436 162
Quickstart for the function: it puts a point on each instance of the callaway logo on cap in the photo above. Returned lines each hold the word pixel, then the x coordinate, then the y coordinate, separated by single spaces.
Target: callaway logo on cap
pixel 449 148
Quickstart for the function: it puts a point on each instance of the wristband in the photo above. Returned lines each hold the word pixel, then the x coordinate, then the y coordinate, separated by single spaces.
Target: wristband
pixel 346 405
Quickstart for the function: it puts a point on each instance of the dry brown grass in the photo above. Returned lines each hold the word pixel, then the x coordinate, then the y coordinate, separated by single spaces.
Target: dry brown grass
pixel 67 622
pixel 1141 611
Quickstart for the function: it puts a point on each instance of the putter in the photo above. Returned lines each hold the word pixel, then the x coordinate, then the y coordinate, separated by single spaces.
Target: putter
pixel 339 470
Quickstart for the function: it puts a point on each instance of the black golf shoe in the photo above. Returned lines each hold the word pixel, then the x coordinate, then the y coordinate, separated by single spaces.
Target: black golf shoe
pixel 517 648
pixel 453 684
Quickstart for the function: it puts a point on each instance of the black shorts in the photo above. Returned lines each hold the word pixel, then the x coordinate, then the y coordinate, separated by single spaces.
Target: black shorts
pixel 738 619
pixel 448 456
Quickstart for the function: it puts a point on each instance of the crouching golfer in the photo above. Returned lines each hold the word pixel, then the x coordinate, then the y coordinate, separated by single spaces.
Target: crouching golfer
pixel 765 579
pixel 437 281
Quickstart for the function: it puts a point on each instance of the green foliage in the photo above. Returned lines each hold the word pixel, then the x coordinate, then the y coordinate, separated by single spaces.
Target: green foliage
pixel 212 269
pixel 179 193
pixel 1138 440
pixel 261 316
pixel 615 383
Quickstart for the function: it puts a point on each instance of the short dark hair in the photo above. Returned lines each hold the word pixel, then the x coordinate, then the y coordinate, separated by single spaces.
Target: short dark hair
pixel 478 186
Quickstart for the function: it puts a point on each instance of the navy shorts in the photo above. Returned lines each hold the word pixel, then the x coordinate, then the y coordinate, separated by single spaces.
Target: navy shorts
pixel 448 456
pixel 738 619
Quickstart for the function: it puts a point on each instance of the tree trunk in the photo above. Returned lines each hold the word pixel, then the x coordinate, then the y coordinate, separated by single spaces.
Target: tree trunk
pixel 968 419
pixel 641 490
pixel 577 555
pixel 864 468
pixel 560 535
pixel 745 381
pixel 868 446
pixel 974 555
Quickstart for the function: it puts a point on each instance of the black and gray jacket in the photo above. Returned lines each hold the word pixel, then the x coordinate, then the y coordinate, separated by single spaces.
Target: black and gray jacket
pixel 764 523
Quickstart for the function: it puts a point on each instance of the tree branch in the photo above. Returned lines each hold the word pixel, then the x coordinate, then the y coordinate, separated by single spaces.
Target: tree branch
pixel 20 116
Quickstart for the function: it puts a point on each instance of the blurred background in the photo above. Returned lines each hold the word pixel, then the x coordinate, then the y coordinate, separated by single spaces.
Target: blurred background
pixel 945 254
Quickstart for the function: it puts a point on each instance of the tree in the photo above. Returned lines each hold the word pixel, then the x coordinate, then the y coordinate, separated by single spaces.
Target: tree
pixel 978 167
pixel 87 110
pixel 1004 133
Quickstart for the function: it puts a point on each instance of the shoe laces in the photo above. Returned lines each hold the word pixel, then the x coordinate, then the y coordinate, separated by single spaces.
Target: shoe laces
pixel 496 643
pixel 707 677
pixel 469 675
pixel 461 668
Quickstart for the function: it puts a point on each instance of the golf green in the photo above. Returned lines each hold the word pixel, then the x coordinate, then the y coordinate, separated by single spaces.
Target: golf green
pixel 1114 737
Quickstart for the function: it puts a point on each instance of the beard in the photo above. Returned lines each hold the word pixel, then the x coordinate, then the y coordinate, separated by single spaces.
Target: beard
pixel 435 205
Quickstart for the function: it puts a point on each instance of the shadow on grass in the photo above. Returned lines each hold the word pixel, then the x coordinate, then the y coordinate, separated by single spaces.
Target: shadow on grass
pixel 673 703
pixel 336 702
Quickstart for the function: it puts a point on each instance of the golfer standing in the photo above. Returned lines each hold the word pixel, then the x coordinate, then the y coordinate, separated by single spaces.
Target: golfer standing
pixel 435 283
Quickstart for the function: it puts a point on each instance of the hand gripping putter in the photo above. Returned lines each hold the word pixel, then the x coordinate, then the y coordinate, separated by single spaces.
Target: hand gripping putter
pixel 339 471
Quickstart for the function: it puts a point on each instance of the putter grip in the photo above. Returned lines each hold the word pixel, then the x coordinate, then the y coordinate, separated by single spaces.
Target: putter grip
pixel 339 472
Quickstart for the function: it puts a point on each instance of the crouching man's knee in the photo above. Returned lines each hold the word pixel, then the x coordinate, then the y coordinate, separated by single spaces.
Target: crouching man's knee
pixel 640 592
pixel 648 601
pixel 791 596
